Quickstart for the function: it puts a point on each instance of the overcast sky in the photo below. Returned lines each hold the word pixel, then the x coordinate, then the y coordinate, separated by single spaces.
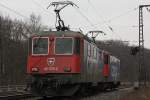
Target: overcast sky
pixel 120 15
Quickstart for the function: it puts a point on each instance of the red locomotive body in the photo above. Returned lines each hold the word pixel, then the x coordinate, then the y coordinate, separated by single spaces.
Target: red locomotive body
pixel 67 61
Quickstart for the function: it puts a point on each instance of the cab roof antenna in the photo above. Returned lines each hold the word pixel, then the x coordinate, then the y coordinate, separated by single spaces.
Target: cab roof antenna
pixel 58 7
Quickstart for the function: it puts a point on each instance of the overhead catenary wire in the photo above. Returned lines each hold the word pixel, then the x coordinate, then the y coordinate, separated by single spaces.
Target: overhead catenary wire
pixel 111 19
pixel 99 15
pixel 108 26
pixel 39 5
pixel 123 14
pixel 10 9
pixel 17 13
pixel 86 18
pixel 117 17
pixel 44 8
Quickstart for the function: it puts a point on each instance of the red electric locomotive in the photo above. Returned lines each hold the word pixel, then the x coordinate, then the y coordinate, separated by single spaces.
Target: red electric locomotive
pixel 63 62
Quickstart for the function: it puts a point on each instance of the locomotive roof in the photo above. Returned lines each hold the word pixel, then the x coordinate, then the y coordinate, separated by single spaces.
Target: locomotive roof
pixel 59 33
pixel 66 33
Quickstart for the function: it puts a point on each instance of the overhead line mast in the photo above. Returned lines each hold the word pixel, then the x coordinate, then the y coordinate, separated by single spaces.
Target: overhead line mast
pixel 142 69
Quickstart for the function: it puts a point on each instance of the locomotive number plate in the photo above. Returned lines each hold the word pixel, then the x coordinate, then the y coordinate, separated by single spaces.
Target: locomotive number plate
pixel 51 69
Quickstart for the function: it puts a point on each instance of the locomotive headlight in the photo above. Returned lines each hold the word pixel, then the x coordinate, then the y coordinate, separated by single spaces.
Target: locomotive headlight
pixel 35 69
pixel 67 69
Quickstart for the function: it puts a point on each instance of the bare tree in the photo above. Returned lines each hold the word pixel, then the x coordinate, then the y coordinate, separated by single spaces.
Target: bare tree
pixel 35 23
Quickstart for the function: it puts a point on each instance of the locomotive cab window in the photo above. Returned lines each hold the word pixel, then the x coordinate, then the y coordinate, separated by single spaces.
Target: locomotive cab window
pixel 64 46
pixel 40 46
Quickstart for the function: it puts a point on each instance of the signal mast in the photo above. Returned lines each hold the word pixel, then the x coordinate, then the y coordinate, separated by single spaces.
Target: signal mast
pixel 60 26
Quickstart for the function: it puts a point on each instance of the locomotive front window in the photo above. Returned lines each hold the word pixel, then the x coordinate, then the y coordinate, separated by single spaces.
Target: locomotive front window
pixel 64 46
pixel 40 46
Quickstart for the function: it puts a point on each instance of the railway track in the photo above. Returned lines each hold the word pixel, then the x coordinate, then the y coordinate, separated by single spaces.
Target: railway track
pixel 107 95
pixel 13 92
pixel 93 96
pixel 15 95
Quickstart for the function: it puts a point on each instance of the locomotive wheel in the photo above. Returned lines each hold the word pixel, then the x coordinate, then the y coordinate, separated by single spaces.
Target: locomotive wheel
pixel 84 90
pixel 38 87
pixel 68 90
